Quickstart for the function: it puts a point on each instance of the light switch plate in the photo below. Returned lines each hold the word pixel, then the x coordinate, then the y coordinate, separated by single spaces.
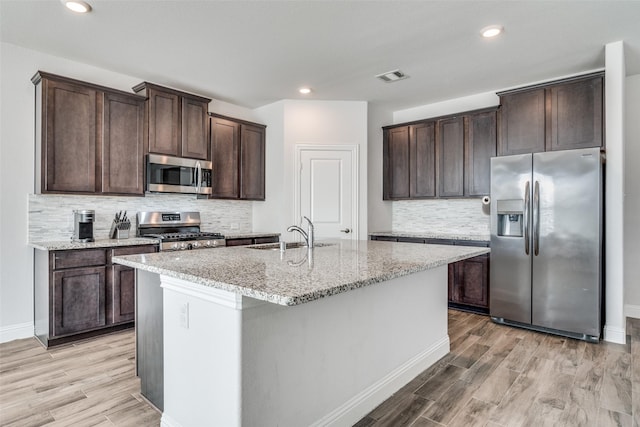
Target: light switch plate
pixel 184 315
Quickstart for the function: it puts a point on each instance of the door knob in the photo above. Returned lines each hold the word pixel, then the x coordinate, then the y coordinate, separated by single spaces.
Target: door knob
pixel 346 230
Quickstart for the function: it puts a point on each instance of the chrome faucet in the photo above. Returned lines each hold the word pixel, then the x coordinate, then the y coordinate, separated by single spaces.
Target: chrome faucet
pixel 308 235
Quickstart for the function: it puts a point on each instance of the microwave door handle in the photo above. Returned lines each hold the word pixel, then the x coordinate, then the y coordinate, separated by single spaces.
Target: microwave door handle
pixel 198 177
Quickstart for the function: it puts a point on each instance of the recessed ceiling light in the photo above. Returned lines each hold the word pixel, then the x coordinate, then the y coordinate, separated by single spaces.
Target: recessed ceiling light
pixel 392 76
pixel 305 90
pixel 491 31
pixel 78 6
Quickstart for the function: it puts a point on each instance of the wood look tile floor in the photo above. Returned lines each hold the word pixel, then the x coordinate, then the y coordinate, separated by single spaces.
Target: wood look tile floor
pixel 494 376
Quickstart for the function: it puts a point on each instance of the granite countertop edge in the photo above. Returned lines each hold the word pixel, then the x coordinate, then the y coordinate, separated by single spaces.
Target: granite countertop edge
pixel 293 300
pixel 61 245
pixel 434 235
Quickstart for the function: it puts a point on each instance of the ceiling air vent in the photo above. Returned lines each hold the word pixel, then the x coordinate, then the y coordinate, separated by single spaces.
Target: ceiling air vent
pixel 392 76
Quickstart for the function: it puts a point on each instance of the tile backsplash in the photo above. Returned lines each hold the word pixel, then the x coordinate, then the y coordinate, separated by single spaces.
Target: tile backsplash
pixel 456 216
pixel 51 216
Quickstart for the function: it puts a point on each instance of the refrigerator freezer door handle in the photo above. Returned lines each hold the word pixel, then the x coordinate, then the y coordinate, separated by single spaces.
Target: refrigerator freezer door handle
pixel 536 218
pixel 526 217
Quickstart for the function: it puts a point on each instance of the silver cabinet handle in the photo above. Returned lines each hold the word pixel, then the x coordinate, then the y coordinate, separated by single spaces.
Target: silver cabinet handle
pixel 536 218
pixel 527 203
pixel 346 230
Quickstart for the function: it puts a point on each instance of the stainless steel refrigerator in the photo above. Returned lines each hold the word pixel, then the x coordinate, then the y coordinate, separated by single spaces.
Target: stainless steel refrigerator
pixel 547 242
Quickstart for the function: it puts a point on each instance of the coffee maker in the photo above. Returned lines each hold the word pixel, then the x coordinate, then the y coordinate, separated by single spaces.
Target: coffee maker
pixel 83 225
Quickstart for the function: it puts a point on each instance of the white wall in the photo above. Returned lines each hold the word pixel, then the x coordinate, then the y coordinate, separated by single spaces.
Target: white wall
pixel 292 122
pixel 615 324
pixel 632 198
pixel 379 211
pixel 17 66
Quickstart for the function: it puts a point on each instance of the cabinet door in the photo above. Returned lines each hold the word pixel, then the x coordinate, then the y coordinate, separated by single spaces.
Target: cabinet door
pixel 471 282
pixel 480 147
pixel 451 157
pixel 121 294
pixel 522 127
pixel 252 163
pixel 69 138
pixel 78 298
pixel 224 157
pixel 122 153
pixel 396 163
pixel 195 143
pixel 164 122
pixel 422 156
pixel 576 115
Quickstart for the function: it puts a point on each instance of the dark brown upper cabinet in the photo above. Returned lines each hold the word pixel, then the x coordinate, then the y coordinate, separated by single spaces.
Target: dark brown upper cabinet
pixel 560 115
pixel 522 126
pixel 238 158
pixel 123 145
pixel 177 122
pixel 576 114
pixel 88 138
pixel 450 148
pixel 252 162
pixel 480 147
pixel 409 162
pixel 441 157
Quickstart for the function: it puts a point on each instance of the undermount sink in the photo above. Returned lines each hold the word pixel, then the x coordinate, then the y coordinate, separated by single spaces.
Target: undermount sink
pixel 290 245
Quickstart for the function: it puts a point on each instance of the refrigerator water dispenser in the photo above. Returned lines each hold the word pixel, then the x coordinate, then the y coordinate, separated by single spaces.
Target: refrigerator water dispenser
pixel 510 217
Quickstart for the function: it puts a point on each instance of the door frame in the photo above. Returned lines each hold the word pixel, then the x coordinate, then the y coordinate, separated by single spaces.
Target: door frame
pixel 354 149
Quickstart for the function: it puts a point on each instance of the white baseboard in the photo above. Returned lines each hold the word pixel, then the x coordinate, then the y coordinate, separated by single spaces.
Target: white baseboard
pixel 632 311
pixel 615 335
pixel 364 402
pixel 167 421
pixel 16 332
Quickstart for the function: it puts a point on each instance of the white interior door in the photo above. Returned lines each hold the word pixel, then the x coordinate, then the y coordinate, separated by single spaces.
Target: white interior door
pixel 328 190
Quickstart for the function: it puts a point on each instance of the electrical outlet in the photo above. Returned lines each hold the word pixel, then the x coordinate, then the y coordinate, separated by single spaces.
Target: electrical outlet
pixel 184 315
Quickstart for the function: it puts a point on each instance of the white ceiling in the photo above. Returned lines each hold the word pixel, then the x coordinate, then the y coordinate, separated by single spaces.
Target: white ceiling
pixel 253 53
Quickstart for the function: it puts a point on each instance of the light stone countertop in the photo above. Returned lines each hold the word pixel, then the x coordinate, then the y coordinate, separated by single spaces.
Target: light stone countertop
pixel 63 245
pixel 485 237
pixel 296 277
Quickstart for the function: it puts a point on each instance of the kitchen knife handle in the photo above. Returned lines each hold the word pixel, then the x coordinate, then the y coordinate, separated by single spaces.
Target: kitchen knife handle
pixel 527 207
pixel 536 218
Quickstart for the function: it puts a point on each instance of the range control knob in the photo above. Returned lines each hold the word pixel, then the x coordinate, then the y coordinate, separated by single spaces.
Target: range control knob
pixel 175 246
pixel 196 245
pixel 183 246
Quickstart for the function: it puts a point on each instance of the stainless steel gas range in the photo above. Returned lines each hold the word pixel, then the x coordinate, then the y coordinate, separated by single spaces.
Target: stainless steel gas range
pixel 177 231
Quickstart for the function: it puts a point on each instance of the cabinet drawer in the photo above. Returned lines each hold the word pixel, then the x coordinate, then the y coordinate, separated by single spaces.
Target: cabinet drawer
pixel 239 242
pixel 477 243
pixel 134 250
pixel 273 239
pixel 79 258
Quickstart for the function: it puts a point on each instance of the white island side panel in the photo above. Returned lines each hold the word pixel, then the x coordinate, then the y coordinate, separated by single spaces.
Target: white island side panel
pixel 327 362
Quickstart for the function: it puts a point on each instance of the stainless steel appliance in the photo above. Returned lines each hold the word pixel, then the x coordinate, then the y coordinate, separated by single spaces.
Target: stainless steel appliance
pixel 546 242
pixel 177 230
pixel 83 225
pixel 167 174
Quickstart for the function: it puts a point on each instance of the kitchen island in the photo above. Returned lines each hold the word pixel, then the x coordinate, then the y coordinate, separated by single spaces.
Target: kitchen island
pixel 257 337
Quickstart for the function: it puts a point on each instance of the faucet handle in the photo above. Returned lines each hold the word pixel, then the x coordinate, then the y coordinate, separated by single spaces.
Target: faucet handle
pixel 308 220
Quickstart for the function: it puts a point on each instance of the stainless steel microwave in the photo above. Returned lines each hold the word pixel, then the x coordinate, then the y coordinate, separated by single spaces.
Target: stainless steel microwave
pixel 167 174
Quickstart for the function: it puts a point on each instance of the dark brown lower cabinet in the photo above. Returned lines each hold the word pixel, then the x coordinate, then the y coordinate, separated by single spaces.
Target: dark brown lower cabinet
pixel 468 280
pixel 121 292
pixel 78 300
pixel 80 293
pixel 252 240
